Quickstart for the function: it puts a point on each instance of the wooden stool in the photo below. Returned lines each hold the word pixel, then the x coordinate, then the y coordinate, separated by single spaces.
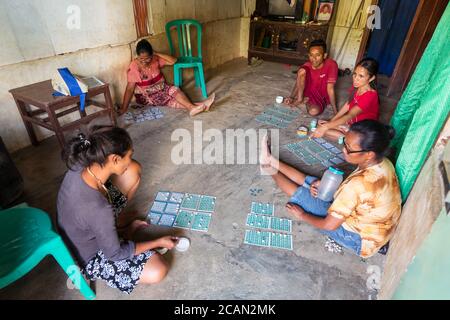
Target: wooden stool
pixel 39 95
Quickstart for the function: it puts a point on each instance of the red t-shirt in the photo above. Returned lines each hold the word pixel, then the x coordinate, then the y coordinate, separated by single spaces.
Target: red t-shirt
pixel 317 80
pixel 369 104
pixel 137 74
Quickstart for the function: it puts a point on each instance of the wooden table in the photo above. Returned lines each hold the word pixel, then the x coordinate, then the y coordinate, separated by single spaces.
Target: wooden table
pixel 37 99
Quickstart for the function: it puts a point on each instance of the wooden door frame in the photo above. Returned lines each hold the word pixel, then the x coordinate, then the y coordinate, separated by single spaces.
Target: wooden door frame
pixel 365 37
pixel 141 18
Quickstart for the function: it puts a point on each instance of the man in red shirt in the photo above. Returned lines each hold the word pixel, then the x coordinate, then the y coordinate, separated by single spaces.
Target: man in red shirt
pixel 315 81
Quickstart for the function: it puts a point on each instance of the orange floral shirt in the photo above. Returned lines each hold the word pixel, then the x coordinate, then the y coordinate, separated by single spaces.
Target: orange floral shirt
pixel 369 202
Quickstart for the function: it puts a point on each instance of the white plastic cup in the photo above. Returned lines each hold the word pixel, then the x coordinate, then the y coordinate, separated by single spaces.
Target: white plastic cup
pixel 279 99
pixel 183 244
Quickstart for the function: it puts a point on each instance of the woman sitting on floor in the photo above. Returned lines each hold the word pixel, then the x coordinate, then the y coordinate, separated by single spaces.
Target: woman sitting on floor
pixel 367 205
pixel 363 104
pixel 102 177
pixel 147 83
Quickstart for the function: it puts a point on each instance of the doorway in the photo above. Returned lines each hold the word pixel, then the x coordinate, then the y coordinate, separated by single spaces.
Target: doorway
pixel 385 44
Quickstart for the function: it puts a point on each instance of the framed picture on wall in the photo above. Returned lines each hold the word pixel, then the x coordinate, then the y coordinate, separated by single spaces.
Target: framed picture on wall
pixel 325 10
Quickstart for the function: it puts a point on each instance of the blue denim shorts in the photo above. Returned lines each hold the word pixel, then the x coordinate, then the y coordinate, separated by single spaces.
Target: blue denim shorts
pixel 319 208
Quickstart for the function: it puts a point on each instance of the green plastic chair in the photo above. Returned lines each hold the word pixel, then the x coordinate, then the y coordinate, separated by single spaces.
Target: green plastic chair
pixel 186 59
pixel 26 237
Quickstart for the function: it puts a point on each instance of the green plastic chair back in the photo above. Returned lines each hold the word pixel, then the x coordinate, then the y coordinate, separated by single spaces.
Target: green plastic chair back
pixel 26 237
pixel 183 27
pixel 186 58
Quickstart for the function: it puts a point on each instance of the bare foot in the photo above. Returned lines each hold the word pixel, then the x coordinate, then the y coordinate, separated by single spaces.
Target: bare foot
pixel 208 102
pixel 288 101
pixel 198 109
pixel 265 157
pixel 302 105
pixel 266 169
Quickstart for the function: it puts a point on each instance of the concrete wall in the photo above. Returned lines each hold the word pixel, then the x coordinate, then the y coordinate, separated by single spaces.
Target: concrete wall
pixel 33 29
pixel 247 8
pixel 340 25
pixel 427 277
pixel 38 42
pixel 418 216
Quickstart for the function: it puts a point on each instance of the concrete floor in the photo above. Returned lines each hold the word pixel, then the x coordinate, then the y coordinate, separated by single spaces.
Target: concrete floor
pixel 218 264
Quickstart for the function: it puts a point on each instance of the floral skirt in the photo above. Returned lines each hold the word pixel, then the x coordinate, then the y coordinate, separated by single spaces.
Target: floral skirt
pixel 123 274
pixel 158 94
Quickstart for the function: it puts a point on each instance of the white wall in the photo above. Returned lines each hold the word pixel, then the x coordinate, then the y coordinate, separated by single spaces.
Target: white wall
pixel 33 29
pixel 247 8
pixel 340 25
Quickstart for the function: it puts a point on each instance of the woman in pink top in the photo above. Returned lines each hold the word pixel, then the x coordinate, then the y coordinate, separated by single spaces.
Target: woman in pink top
pixel 363 104
pixel 149 87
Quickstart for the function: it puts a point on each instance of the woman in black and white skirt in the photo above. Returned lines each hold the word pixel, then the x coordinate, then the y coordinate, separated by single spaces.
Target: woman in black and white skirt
pixel 102 177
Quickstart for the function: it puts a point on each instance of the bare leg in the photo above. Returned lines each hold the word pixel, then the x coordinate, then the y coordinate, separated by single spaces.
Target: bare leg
pixel 129 181
pixel 313 109
pixel 285 184
pixel 127 184
pixel 155 270
pixel 208 102
pixel 184 100
pixel 300 86
pixel 193 108
pixel 295 176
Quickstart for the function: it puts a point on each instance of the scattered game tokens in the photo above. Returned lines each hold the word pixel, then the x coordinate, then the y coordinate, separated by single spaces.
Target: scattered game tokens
pixel 255 191
pixel 332 246
pixel 183 244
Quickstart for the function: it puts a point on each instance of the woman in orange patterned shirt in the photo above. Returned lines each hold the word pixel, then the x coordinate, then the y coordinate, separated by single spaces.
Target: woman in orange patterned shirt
pixel 149 87
pixel 367 205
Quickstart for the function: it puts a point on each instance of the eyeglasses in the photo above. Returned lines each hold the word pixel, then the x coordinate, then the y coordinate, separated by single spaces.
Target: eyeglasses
pixel 350 151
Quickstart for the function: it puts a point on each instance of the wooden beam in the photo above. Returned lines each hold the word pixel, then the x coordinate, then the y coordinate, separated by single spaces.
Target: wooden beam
pixel 365 38
pixel 141 17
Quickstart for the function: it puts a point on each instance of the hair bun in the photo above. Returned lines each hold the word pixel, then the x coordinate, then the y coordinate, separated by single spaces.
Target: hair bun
pixel 390 131
pixel 84 142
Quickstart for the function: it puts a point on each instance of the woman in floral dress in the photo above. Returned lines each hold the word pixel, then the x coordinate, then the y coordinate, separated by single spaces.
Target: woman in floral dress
pixel 149 87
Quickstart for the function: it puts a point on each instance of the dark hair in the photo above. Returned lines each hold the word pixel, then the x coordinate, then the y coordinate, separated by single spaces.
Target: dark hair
pixel 374 136
pixel 100 142
pixel 144 46
pixel 318 43
pixel 371 65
